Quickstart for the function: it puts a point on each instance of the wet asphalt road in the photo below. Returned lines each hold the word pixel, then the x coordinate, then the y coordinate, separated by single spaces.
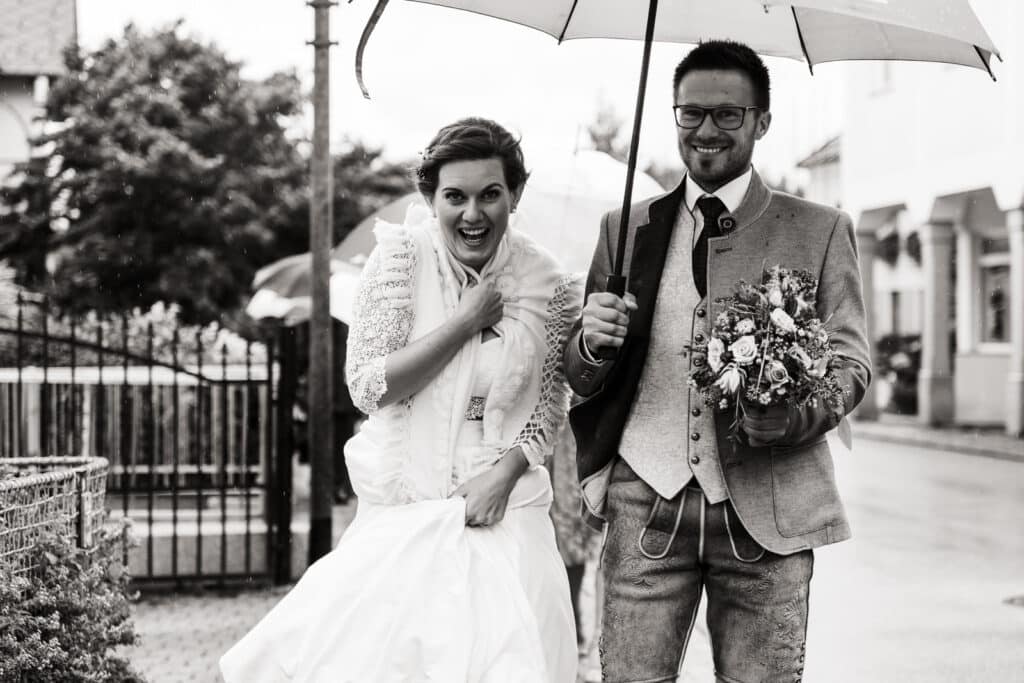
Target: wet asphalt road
pixel 920 592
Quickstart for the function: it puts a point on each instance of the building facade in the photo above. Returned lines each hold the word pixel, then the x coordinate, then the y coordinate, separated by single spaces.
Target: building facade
pixel 931 165
pixel 33 36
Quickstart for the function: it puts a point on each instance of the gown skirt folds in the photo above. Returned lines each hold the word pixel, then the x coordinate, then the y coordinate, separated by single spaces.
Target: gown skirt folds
pixel 411 594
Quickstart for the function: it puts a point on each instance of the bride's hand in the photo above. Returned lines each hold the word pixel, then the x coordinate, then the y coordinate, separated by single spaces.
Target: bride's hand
pixel 481 306
pixel 487 493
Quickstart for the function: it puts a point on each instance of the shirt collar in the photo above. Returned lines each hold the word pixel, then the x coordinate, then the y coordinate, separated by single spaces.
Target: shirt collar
pixel 731 193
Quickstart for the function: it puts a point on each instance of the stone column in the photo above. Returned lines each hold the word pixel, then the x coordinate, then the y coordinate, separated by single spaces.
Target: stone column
pixel 935 382
pixel 1015 374
pixel 867 246
pixel 968 315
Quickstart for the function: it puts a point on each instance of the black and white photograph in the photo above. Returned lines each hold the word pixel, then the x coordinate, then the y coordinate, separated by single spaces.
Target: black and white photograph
pixel 511 341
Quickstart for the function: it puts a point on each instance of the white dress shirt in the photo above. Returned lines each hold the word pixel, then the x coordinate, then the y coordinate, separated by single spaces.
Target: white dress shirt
pixel 731 193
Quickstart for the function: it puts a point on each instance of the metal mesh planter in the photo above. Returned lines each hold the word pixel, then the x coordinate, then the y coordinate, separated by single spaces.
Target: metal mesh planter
pixel 48 495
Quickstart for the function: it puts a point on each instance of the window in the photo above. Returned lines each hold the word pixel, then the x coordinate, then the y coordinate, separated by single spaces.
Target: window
pixel 995 304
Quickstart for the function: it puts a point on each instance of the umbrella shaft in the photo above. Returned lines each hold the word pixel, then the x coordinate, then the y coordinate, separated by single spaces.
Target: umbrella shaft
pixel 620 250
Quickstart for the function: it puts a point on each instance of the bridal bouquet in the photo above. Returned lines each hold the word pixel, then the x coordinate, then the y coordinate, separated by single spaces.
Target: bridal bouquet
pixel 768 347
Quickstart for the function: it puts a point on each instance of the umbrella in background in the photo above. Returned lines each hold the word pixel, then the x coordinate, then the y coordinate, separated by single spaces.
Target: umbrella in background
pixel 360 241
pixel 283 288
pixel 813 30
pixel 561 209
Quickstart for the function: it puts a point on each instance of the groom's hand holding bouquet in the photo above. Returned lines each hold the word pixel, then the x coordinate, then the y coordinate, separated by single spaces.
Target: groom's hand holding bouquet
pixel 768 355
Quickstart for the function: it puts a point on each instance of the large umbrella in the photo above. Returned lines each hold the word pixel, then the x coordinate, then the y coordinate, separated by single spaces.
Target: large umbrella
pixel 283 288
pixel 813 30
pixel 563 201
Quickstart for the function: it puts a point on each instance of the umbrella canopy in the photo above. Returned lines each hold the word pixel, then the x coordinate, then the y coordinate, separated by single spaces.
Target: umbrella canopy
pixel 561 208
pixel 814 30
pixel 289 276
pixel 292 305
pixel 360 241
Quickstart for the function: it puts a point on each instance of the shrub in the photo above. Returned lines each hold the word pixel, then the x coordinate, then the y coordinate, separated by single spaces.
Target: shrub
pixel 64 622
pixel 164 320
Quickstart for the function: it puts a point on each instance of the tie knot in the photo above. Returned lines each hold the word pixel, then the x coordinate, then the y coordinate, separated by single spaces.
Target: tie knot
pixel 711 208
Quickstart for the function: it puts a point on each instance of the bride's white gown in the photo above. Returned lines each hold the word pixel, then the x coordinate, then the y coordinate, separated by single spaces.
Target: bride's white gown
pixel 411 594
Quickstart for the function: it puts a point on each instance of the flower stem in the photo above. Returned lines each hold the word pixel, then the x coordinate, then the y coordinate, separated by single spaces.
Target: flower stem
pixel 764 356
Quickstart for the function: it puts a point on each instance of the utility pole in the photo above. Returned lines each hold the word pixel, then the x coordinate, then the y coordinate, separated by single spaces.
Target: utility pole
pixel 321 366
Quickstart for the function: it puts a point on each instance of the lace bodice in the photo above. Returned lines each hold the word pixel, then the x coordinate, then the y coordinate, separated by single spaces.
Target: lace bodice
pixel 527 400
pixel 382 321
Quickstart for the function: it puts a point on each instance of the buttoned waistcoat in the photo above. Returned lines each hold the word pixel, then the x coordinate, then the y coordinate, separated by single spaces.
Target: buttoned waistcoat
pixel 669 436
pixel 785 494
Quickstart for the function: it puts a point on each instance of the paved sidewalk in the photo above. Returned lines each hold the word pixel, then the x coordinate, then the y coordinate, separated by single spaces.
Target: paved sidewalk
pixel 990 442
pixel 183 635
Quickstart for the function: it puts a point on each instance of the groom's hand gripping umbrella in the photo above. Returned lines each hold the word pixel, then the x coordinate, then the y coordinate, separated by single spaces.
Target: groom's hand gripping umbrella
pixel 816 31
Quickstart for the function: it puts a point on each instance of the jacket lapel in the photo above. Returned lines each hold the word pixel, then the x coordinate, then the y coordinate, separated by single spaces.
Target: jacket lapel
pixel 755 201
pixel 650 248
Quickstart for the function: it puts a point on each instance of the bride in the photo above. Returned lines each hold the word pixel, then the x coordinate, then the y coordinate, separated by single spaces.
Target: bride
pixel 449 572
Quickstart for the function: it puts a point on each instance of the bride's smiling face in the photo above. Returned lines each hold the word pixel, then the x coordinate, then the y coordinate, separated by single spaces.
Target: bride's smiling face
pixel 472 203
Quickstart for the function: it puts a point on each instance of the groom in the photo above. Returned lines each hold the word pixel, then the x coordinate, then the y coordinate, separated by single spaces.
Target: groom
pixel 687 509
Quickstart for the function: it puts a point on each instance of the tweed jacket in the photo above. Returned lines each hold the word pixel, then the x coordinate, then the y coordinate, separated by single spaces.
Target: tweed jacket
pixel 785 494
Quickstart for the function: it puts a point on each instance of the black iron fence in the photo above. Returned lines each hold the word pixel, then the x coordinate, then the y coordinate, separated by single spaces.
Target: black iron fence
pixel 196 426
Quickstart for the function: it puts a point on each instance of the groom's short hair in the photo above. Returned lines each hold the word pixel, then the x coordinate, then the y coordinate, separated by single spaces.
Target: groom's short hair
pixel 727 55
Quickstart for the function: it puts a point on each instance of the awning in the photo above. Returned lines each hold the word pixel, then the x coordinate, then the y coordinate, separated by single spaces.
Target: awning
pixel 828 153
pixel 877 219
pixel 976 210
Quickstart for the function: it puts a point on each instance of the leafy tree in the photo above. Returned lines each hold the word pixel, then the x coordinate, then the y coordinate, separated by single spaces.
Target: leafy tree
pixel 363 182
pixel 607 135
pixel 605 132
pixel 163 176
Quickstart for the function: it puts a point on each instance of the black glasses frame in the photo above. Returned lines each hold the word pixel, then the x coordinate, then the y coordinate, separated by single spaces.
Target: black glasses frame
pixel 713 112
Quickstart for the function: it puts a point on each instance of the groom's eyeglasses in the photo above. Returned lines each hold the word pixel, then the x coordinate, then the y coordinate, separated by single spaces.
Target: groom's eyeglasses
pixel 726 117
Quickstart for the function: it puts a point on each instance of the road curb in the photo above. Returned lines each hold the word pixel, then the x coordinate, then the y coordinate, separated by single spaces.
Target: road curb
pixel 992 449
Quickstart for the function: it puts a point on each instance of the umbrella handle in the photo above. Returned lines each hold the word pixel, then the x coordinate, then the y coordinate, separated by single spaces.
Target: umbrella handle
pixel 615 284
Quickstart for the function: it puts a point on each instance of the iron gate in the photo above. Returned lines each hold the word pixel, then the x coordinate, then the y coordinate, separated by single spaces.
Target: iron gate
pixel 197 431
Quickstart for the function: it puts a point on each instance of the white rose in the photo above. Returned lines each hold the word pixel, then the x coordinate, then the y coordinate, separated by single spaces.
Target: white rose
pixel 744 349
pixel 745 326
pixel 820 368
pixel 783 321
pixel 715 350
pixel 777 374
pixel 801 356
pixel 775 297
pixel 731 379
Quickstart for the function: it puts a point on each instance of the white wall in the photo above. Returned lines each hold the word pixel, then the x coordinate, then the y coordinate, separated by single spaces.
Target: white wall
pixel 824 185
pixel 914 132
pixel 935 129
